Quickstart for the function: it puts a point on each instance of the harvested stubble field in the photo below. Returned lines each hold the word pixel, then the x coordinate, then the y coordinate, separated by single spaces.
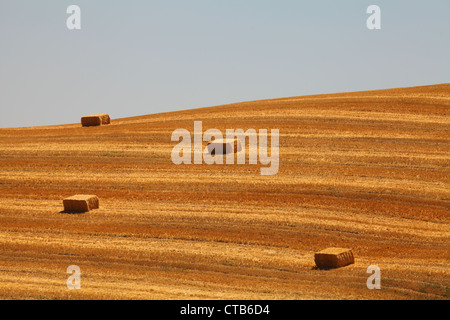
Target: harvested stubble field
pixel 366 170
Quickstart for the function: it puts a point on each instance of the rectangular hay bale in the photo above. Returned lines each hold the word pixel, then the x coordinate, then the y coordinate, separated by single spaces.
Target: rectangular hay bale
pixel 224 146
pixel 80 203
pixel 95 120
pixel 334 258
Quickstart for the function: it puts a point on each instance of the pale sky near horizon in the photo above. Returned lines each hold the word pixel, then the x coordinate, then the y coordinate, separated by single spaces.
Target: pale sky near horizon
pixel 138 57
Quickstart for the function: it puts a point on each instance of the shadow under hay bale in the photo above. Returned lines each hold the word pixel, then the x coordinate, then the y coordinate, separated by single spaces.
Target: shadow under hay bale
pixel 95 120
pixel 80 203
pixel 333 258
pixel 71 212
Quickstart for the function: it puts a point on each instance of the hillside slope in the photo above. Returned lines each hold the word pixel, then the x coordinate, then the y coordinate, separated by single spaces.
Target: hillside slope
pixel 365 170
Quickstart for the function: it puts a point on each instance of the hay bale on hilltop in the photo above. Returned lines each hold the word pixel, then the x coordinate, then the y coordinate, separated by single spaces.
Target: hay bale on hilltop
pixel 80 203
pixel 224 146
pixel 95 120
pixel 334 258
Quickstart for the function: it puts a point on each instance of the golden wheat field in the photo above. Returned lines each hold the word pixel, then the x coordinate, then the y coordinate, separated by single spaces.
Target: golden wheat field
pixel 365 170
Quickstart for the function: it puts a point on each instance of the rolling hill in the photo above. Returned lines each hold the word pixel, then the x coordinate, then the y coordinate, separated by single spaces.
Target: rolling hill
pixel 363 170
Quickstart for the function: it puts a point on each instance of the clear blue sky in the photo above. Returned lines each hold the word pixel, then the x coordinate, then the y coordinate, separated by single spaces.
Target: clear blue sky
pixel 136 57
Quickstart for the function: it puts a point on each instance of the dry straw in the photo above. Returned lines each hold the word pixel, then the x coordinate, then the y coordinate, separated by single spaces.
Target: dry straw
pixel 334 258
pixel 224 146
pixel 80 203
pixel 95 120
